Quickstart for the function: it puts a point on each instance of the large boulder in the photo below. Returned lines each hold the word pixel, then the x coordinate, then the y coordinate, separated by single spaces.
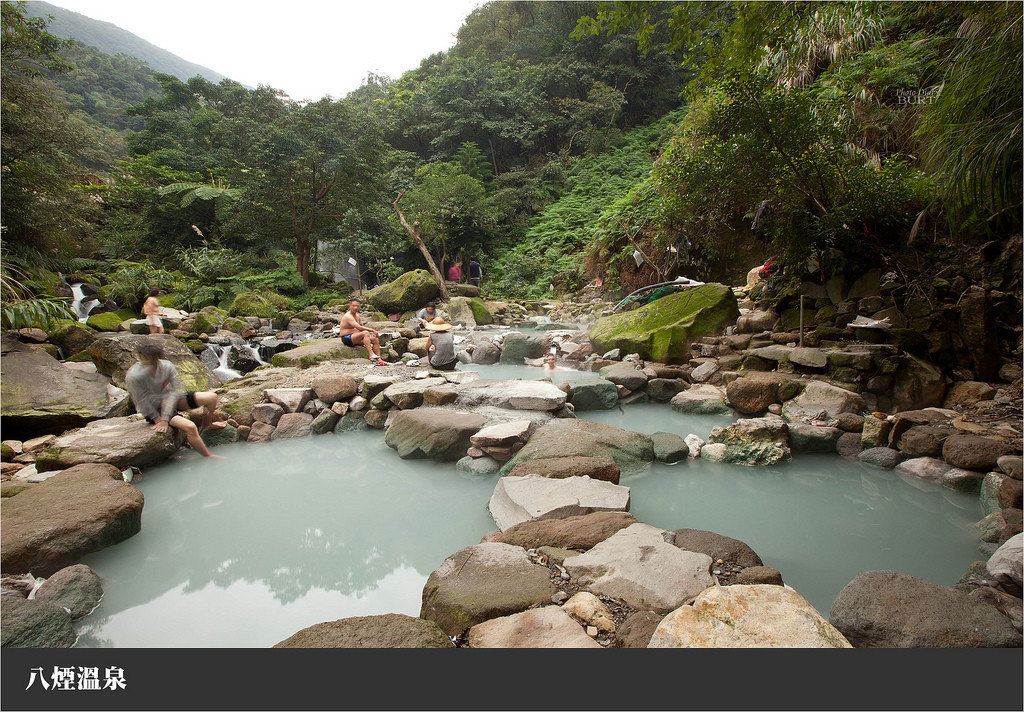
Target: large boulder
pixel 408 292
pixel 41 396
pixel 547 627
pixel 34 624
pixel 432 433
pixel 919 384
pixel 665 329
pixel 73 338
pixel 755 616
pixel 1006 563
pixel 122 442
pixel 588 391
pixel 887 609
pixel 317 351
pixel 486 353
pixel 820 397
pixel 77 589
pixel 804 437
pixel 531 497
pixel 481 582
pixel 517 346
pixel 703 399
pixel 114 354
pixel 974 452
pixel 639 566
pixel 264 304
pixel 460 311
pixel 578 532
pixel 752 393
pixel 568 437
pixel 753 441
pixel 391 630
pixel 625 374
pixel 56 522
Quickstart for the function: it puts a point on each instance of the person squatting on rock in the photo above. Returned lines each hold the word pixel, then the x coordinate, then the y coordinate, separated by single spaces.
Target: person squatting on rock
pixel 441 345
pixel 353 333
pixel 158 396
pixel 151 310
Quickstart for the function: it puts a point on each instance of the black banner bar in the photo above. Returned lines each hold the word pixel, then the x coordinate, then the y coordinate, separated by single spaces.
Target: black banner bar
pixel 161 679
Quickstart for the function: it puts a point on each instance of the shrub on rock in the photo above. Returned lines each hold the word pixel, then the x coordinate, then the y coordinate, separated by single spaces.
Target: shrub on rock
pixel 263 304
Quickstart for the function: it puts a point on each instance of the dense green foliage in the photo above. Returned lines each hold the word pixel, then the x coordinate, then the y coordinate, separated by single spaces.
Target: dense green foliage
pixel 557 142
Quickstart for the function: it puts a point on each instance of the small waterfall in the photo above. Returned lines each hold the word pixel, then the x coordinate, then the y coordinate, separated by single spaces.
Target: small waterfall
pixel 252 352
pixel 81 304
pixel 223 370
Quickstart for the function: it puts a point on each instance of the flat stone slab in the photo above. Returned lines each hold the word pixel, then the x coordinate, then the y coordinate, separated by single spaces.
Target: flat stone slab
pixel 703 399
pixel 54 523
pixel 501 434
pixel 808 357
pixel 121 442
pixel 547 627
pixel 520 499
pixel 518 395
pixel 481 582
pixel 569 437
pixel 580 532
pixel 391 630
pixel 315 351
pixel 599 467
pixel 409 394
pixel 747 616
pixel 639 566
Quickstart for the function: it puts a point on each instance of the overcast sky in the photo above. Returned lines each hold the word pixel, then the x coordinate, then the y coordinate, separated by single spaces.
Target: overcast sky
pixel 309 49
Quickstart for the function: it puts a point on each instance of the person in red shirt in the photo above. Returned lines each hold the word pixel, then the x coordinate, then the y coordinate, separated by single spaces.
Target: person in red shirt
pixel 455 273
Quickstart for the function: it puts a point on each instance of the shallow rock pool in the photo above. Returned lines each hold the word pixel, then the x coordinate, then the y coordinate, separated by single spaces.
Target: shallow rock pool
pixel 246 551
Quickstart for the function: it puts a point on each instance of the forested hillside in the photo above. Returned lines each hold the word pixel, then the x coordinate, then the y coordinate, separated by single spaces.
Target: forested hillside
pixel 111 39
pixel 552 141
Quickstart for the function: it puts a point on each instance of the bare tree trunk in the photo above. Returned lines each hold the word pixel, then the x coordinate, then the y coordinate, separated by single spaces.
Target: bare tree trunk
pixel 302 258
pixel 414 233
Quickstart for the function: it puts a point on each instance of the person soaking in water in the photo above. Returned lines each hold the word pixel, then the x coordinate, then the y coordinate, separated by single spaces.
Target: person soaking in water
pixel 159 397
pixel 151 310
pixel 353 333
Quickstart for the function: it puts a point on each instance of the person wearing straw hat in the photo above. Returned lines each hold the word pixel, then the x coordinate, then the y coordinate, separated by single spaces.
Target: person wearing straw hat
pixel 441 344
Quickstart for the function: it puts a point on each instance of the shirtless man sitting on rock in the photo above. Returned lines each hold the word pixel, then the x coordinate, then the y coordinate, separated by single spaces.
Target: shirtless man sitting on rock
pixel 158 396
pixel 353 333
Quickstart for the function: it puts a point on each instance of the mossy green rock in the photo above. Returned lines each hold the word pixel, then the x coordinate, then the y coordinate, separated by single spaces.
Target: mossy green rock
pixel 114 354
pixel 72 337
pixel 107 321
pixel 317 351
pixel 40 395
pixel 265 305
pixel 234 325
pixel 408 292
pixel 480 312
pixel 664 329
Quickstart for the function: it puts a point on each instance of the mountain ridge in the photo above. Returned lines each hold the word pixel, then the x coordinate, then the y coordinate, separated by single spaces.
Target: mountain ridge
pixel 111 39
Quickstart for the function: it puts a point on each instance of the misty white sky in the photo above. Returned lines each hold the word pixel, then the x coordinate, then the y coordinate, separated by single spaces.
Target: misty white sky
pixel 309 49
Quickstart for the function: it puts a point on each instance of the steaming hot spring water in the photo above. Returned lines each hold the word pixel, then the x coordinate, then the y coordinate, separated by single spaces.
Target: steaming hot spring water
pixel 247 550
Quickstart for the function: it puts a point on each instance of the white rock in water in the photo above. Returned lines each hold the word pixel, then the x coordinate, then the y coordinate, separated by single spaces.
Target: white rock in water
pixel 715 452
pixel 695 443
pixel 531 497
pixel 639 566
